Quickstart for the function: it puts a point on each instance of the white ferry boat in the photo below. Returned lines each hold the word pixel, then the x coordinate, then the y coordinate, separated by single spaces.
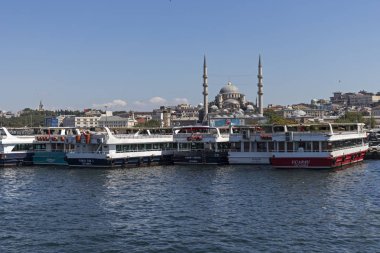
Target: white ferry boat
pixel 52 144
pixel 300 146
pixel 16 150
pixel 201 145
pixel 143 147
pixel 251 145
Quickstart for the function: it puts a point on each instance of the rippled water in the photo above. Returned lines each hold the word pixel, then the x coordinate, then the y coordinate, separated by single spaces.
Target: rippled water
pixel 190 209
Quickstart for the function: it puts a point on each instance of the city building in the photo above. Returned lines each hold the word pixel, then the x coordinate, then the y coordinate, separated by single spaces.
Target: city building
pixel 115 122
pixel 80 122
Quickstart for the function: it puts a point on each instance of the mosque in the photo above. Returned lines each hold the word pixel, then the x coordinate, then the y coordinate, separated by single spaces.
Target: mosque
pixel 229 100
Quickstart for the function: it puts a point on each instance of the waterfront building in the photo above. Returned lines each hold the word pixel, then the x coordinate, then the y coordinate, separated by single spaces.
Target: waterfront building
pixel 54 121
pixel 115 122
pixel 81 122
pixel 362 98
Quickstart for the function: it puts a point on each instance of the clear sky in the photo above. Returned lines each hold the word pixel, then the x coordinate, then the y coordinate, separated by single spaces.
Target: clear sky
pixel 139 54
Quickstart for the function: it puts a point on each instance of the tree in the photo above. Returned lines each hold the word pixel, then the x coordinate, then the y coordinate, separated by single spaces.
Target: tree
pixel 371 122
pixel 274 118
pixel 351 117
pixel 150 123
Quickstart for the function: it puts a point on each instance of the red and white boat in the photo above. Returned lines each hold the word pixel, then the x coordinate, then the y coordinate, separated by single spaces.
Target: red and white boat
pixel 301 146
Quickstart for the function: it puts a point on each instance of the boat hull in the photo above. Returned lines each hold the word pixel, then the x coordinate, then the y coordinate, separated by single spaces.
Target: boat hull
pixel 200 157
pixel 249 158
pixel 119 162
pixel 16 159
pixel 49 158
pixel 317 162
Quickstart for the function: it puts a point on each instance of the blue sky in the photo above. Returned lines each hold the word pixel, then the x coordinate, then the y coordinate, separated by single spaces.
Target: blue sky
pixel 139 54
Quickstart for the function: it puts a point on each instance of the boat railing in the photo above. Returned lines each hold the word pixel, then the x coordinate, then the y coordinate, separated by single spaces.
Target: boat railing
pixel 50 151
pixel 150 149
pixel 88 152
pixel 120 136
pixel 203 135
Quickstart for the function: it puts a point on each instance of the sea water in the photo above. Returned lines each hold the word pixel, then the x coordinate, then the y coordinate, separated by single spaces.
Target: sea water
pixel 190 209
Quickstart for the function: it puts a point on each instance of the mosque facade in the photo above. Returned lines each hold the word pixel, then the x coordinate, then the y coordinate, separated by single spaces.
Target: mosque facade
pixel 230 100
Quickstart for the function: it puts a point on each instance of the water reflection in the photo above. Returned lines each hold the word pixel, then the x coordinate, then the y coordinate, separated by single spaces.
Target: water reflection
pixel 189 209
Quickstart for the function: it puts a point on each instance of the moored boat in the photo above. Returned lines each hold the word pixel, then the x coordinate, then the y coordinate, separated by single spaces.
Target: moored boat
pixel 321 146
pixel 16 150
pixel 51 145
pixel 201 145
pixel 300 146
pixel 144 147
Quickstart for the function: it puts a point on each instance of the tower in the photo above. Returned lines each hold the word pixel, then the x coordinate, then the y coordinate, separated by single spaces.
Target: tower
pixel 41 106
pixel 205 88
pixel 260 88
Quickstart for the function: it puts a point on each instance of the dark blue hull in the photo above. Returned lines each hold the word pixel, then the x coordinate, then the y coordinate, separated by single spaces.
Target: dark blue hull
pixel 16 159
pixel 200 157
pixel 120 162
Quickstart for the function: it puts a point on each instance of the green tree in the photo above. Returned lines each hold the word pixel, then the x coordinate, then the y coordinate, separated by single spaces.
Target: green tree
pixel 371 122
pixel 150 123
pixel 274 118
pixel 351 117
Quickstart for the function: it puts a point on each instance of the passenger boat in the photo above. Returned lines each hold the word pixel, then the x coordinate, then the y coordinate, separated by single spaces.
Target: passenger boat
pixel 201 145
pixel 51 145
pixel 301 146
pixel 251 145
pixel 143 147
pixel 16 149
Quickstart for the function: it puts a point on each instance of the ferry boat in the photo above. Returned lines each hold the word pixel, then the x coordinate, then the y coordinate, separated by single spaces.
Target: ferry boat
pixel 16 149
pixel 143 147
pixel 51 145
pixel 201 145
pixel 327 145
pixel 251 145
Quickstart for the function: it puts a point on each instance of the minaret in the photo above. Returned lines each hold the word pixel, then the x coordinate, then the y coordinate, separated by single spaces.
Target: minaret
pixel 41 106
pixel 260 88
pixel 205 89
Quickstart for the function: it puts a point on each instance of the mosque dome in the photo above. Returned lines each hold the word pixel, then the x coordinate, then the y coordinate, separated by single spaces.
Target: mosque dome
pixel 299 113
pixel 231 101
pixel 214 108
pixel 250 108
pixel 229 88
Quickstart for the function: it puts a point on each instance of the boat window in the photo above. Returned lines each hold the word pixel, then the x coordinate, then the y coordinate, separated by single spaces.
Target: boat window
pixel 261 147
pixel 316 146
pixel 281 146
pixel 246 146
pixel 308 146
pixel 181 146
pixel 197 146
pixel 289 146
pixel 271 146
pixel 235 146
pixel 39 146
pixel 22 147
pixel 277 129
pixel 324 146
